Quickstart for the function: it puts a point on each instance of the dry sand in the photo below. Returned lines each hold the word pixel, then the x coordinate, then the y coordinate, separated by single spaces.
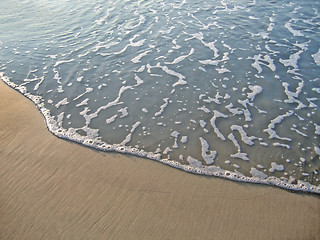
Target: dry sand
pixel 55 189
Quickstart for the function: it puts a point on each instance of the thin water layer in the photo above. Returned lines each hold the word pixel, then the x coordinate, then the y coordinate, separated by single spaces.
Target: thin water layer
pixel 222 88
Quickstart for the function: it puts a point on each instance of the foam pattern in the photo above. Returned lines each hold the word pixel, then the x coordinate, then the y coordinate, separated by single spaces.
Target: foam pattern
pixel 218 88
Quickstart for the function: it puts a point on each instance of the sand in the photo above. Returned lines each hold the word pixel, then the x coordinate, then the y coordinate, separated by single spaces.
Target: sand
pixel 55 189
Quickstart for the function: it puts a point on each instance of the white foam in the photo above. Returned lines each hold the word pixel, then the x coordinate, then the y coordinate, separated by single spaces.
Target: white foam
pixel 79 79
pixel 102 85
pixel 215 100
pixel 88 117
pixel 312 104
pixel 180 77
pixel 141 69
pixel 167 150
pixel 299 132
pixel 236 166
pixel 103 19
pixel 316 57
pixel 194 162
pixel 184 139
pixel 63 61
pixel 210 62
pixel 217 114
pixel 293 95
pixel 202 69
pixel 83 103
pixel 202 123
pixel 292 61
pixel 276 167
pixel 222 70
pixel 277 144
pixel 162 107
pixel 56 75
pixel 59 89
pixel 181 58
pixel 36 87
pixel 174 41
pixel 137 58
pixel 175 135
pixel 296 33
pixel 270 130
pixel 258 60
pixel 239 154
pixel 106 46
pixel 132 44
pixel 62 102
pixel 111 119
pixel 208 158
pixel 60 119
pixel 244 136
pixel 204 109
pixel 234 111
pixel 303 46
pixel 142 20
pixel 256 173
pixel 246 112
pixel 271 24
pixel 128 137
pixel 317 129
pixel 317 90
pixel 255 91
pixel 88 90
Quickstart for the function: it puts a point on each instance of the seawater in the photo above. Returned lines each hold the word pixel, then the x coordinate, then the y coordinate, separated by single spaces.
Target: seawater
pixel 223 88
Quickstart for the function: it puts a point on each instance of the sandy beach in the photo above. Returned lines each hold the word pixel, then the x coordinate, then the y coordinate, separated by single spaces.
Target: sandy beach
pixel 55 189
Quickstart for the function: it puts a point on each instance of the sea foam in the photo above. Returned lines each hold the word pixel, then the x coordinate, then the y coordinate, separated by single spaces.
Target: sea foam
pixel 178 83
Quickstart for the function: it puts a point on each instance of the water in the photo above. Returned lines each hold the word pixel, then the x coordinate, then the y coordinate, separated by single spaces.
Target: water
pixel 222 88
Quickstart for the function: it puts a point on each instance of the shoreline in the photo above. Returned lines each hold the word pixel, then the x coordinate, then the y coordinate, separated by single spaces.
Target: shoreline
pixel 51 188
pixel 212 171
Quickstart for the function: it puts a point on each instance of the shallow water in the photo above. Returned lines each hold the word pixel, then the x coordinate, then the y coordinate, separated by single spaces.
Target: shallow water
pixel 223 88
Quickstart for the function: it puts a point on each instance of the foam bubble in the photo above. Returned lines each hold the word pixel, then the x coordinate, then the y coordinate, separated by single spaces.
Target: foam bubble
pixel 137 58
pixel 181 58
pixel 194 162
pixel 276 167
pixel 316 57
pixel 184 139
pixel 207 157
pixel 217 114
pixel 244 136
pixel 270 130
pixel 62 102
pixel 295 32
pixel 111 119
pixel 239 154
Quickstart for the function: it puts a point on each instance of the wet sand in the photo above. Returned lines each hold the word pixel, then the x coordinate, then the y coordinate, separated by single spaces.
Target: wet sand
pixel 55 189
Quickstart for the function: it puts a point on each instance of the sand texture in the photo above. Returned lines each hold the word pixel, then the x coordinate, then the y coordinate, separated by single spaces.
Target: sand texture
pixel 55 189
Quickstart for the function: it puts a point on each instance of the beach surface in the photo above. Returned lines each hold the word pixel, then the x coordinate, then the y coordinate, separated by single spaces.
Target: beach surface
pixel 55 189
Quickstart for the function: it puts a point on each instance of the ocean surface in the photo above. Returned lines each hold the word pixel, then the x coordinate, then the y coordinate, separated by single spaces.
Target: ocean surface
pixel 225 88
